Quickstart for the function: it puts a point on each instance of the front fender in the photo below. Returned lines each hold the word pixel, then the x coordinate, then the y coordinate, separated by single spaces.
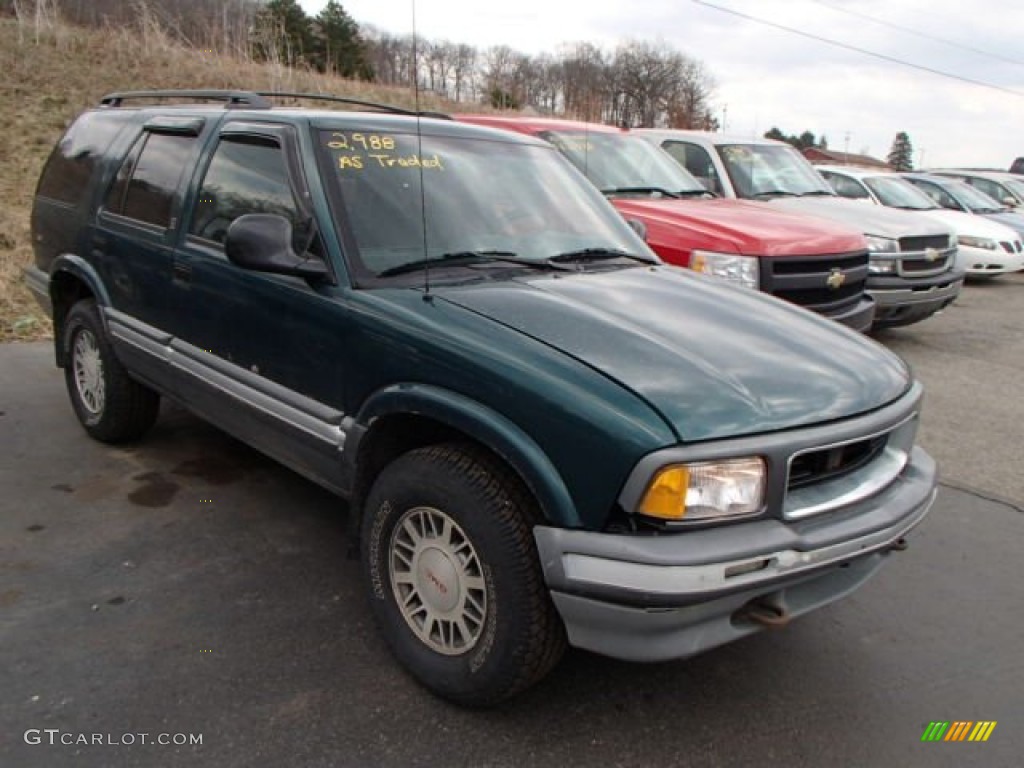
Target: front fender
pixel 487 427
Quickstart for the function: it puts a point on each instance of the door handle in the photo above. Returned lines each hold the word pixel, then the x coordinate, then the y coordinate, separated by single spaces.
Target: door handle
pixel 181 272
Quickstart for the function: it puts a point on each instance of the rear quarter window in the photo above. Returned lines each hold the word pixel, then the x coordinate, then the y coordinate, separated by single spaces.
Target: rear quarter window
pixel 67 173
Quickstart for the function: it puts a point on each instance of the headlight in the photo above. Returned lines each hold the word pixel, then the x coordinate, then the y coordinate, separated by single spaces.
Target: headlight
pixel 979 242
pixel 881 265
pixel 882 244
pixel 706 490
pixel 741 270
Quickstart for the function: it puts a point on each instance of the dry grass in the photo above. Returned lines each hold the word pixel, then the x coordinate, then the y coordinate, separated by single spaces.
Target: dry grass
pixel 52 74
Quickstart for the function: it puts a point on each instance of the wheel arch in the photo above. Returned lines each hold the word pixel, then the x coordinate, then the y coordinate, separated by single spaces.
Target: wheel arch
pixel 71 280
pixel 401 418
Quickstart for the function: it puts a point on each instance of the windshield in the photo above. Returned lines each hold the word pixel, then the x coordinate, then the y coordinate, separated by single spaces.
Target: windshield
pixel 1015 186
pixel 763 170
pixel 975 200
pixel 899 193
pixel 614 161
pixel 479 197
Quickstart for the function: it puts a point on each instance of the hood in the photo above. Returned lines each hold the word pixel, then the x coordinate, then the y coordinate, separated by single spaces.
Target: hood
pixel 714 360
pixel 870 219
pixel 737 226
pixel 1014 221
pixel 971 225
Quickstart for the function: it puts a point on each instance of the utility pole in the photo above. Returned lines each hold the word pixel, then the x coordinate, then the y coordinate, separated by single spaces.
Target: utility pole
pixel 725 116
pixel 846 146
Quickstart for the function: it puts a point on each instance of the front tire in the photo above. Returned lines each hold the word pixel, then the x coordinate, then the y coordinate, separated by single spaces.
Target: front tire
pixel 454 580
pixel 111 406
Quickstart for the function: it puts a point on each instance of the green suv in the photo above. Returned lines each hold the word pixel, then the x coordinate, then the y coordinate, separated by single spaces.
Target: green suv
pixel 545 434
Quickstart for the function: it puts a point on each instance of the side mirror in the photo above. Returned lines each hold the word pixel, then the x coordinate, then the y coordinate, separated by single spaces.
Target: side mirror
pixel 1010 201
pixel 639 227
pixel 263 242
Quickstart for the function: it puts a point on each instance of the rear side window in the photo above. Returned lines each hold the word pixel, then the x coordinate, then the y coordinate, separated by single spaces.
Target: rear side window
pixel 153 177
pixel 246 175
pixel 73 161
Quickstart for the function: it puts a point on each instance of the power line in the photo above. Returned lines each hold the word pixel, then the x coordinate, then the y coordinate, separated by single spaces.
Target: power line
pixel 847 46
pixel 910 31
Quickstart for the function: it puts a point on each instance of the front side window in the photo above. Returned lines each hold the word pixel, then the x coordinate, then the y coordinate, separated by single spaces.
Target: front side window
pixel 845 186
pixel 765 170
pixel 246 175
pixel 696 160
pixel 899 193
pixel 477 196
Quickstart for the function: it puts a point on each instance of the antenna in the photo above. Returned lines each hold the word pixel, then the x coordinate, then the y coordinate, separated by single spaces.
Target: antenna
pixel 419 154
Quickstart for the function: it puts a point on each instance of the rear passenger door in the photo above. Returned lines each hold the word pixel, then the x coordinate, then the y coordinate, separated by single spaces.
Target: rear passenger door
pixel 132 243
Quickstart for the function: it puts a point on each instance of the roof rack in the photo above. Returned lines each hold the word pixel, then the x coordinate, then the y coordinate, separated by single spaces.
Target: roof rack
pixel 231 99
pixel 357 102
pixel 257 100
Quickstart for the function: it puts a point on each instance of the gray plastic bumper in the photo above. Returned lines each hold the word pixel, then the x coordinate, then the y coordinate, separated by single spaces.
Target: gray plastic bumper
pixel 650 598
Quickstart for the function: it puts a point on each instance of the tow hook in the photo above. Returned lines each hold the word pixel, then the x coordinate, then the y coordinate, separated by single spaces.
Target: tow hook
pixel 770 615
pixel 899 545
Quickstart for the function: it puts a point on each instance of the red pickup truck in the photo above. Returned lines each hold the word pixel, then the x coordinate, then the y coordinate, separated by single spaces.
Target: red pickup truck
pixel 808 261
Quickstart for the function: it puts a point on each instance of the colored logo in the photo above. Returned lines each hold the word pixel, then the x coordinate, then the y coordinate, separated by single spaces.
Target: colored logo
pixel 958 730
pixel 835 279
pixel 931 254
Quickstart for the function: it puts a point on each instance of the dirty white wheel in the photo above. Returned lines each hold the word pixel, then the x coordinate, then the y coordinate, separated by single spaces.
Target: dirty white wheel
pixel 454 580
pixel 87 365
pixel 110 404
pixel 438 581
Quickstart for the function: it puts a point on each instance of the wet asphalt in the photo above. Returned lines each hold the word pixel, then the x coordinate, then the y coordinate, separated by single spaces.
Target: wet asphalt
pixel 188 585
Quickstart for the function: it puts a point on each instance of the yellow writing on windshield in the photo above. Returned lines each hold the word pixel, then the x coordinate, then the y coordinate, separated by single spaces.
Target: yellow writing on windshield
pixel 385 160
pixel 361 141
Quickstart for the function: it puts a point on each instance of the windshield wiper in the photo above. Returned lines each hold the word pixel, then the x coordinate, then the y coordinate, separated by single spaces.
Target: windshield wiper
pixel 775 193
pixel 817 193
pixel 695 193
pixel 468 258
pixel 597 254
pixel 639 191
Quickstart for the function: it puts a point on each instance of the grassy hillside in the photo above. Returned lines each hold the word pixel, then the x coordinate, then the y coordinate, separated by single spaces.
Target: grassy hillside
pixel 49 78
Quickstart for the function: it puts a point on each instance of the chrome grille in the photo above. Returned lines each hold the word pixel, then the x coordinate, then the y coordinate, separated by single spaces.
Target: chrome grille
pixel 827 477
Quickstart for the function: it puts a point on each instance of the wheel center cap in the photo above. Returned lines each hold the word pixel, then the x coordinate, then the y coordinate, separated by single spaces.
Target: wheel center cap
pixel 438 580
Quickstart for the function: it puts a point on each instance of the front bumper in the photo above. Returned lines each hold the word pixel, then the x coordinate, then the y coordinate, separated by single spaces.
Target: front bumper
pixel 902 301
pixel 38 283
pixel 859 317
pixel 979 262
pixel 651 598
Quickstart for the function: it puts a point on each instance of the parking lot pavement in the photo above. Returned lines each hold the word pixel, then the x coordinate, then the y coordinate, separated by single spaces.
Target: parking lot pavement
pixel 971 360
pixel 188 585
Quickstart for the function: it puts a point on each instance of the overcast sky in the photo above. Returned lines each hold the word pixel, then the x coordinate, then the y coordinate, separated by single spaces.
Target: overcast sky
pixel 768 76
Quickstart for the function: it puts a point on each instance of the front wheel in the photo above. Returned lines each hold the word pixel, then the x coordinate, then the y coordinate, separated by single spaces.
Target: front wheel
pixel 111 405
pixel 453 575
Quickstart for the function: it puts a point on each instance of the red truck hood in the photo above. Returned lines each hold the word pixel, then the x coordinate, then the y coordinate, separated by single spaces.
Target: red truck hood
pixel 737 226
